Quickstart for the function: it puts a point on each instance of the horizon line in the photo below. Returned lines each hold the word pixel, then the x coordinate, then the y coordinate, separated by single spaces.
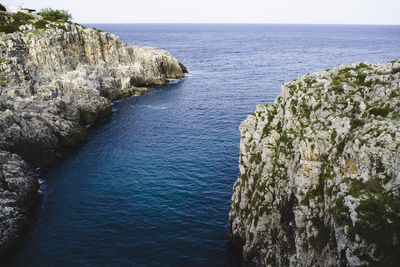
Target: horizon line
pixel 243 23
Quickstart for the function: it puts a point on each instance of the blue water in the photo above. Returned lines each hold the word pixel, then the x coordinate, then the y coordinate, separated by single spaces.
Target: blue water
pixel 152 185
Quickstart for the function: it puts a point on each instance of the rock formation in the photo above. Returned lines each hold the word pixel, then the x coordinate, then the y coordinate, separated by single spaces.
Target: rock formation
pixel 319 181
pixel 18 189
pixel 53 81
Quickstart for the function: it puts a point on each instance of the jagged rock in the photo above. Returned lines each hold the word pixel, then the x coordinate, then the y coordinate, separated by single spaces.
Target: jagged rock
pixel 18 188
pixel 319 173
pixel 53 81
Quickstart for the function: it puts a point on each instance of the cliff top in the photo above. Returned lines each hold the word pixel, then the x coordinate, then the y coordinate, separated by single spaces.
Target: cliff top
pixel 14 22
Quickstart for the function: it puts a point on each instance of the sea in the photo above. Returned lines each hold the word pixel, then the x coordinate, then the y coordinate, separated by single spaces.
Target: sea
pixel 152 184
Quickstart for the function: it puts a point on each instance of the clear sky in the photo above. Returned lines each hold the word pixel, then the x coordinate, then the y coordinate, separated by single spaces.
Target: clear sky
pixel 225 11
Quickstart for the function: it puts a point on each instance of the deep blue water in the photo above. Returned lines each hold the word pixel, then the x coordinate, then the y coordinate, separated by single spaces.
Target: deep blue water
pixel 152 185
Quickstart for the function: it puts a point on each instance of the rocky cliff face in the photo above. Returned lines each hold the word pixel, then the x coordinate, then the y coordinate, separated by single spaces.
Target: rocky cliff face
pixel 53 81
pixel 319 173
pixel 56 79
pixel 18 189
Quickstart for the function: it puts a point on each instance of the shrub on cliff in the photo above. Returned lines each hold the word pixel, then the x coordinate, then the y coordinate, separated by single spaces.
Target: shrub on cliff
pixel 21 18
pixel 55 15
pixel 11 23
pixel 40 24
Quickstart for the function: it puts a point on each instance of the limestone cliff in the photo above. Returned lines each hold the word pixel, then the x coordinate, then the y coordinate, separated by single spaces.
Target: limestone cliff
pixel 53 81
pixel 56 79
pixel 319 181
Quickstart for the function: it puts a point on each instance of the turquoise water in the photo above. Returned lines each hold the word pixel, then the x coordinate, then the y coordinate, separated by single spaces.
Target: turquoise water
pixel 152 185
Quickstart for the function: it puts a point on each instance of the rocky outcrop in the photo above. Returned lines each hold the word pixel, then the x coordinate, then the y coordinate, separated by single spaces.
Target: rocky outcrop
pixel 319 173
pixel 18 189
pixel 53 81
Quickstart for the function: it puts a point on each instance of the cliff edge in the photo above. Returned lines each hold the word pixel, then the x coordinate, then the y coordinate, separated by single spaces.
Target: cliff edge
pixel 55 78
pixel 319 180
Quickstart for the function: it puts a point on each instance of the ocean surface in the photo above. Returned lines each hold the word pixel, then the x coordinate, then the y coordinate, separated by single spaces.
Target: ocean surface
pixel 152 185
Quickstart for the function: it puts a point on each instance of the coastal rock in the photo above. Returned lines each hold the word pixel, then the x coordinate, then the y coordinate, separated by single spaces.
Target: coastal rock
pixel 319 180
pixel 18 187
pixel 53 81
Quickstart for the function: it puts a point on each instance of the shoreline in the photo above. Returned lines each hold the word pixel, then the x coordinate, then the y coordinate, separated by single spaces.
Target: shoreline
pixel 55 82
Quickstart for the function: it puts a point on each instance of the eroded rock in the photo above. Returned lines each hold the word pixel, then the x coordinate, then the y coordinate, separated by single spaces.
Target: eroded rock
pixel 319 171
pixel 18 191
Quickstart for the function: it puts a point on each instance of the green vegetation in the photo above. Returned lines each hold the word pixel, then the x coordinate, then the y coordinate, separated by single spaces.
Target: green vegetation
pixel 358 187
pixel 307 110
pixel 319 192
pixel 256 158
pixel 333 136
pixel 379 224
pixel 11 23
pixel 322 238
pixel 362 65
pixel 58 26
pixel 2 8
pixel 361 79
pixel 294 110
pixel 266 130
pixel 380 111
pixel 395 70
pixel 341 213
pixel 55 15
pixel 382 227
pixel 340 147
pixel 292 88
pixel 355 123
pixel 394 93
pixel 355 77
pixel 40 24
pixel 98 29
pixel 309 81
pixel 337 86
pixel 378 220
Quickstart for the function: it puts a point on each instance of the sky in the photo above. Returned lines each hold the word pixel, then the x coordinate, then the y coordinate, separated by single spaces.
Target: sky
pixel 225 11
